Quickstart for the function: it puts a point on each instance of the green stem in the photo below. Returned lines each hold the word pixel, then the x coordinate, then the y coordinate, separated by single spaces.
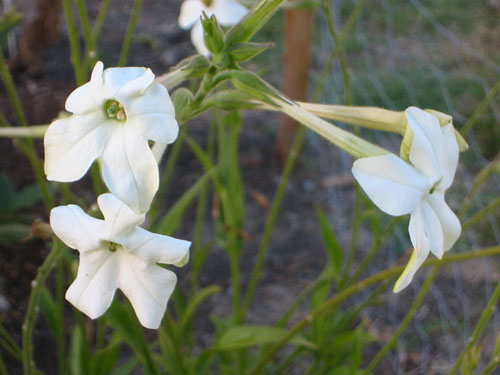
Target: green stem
pixel 271 220
pixel 408 318
pixel 492 207
pixel 481 324
pixel 481 108
pixel 87 34
pixel 29 319
pixel 339 46
pixel 358 287
pixel 101 17
pixel 27 146
pixel 127 41
pixel 36 131
pixel 59 329
pixel 73 43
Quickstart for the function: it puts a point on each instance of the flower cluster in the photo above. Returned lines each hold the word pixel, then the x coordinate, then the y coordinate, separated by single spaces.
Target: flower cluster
pixel 227 12
pixel 113 118
pixel 417 188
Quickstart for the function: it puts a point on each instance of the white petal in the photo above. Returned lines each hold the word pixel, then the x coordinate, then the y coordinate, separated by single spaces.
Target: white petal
pixel 89 96
pixel 118 217
pixel 393 185
pixel 190 13
pixel 129 168
pixel 75 228
pixel 432 228
pixel 94 287
pixel 155 248
pixel 132 89
pixel 153 115
pixel 73 143
pixel 116 78
pixel 198 39
pixel 412 267
pixel 449 222
pixel 147 286
pixel 427 145
pixel 228 12
pixel 449 156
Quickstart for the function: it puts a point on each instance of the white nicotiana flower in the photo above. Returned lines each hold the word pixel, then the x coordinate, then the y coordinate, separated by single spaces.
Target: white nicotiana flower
pixel 114 116
pixel 399 188
pixel 227 12
pixel 116 253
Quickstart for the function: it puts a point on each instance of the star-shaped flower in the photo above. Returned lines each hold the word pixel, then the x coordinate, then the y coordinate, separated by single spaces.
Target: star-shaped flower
pixel 116 253
pixel 399 188
pixel 227 12
pixel 114 116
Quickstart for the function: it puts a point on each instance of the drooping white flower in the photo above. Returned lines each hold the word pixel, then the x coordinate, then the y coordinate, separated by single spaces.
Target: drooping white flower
pixel 113 117
pixel 399 188
pixel 227 12
pixel 116 253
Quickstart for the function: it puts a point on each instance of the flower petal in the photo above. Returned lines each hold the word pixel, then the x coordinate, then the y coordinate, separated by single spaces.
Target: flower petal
pixel 89 96
pixel 135 87
pixel 228 12
pixel 116 78
pixel 393 185
pixel 148 287
pixel 72 144
pixel 129 168
pixel 449 156
pixel 432 228
pixel 427 142
pixel 155 248
pixel 190 13
pixel 75 228
pixel 118 217
pixel 153 115
pixel 198 40
pixel 95 284
pixel 412 267
pixel 448 220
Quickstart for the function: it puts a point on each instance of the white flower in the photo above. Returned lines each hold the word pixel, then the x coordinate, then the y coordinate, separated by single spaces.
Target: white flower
pixel 227 12
pixel 114 116
pixel 116 253
pixel 399 188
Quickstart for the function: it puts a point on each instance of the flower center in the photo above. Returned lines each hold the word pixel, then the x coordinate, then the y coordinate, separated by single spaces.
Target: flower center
pixel 207 3
pixel 433 188
pixel 112 246
pixel 114 110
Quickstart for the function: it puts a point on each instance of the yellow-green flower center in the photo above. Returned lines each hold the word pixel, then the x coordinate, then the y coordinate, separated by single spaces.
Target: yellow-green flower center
pixel 114 110
pixel 112 246
pixel 207 3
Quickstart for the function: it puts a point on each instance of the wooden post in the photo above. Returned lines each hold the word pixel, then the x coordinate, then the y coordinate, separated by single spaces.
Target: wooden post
pixel 296 61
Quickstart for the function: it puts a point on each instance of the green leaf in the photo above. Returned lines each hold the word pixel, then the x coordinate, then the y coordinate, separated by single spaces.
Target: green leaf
pixel 252 22
pixel 246 336
pixel 104 360
pixel 6 192
pixel 123 320
pixel 13 233
pixel 230 100
pixel 245 51
pixel 182 99
pixel 172 219
pixel 333 249
pixel 8 21
pixel 48 308
pixel 27 197
pixel 78 353
pixel 195 301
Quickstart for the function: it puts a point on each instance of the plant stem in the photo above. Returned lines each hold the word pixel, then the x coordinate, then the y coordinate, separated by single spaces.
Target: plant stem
pixel 27 146
pixel 271 219
pixel 73 42
pixel 481 324
pixel 481 108
pixel 101 17
pixel 87 34
pixel 127 41
pixel 29 319
pixel 358 287
pixel 408 318
pixel 492 207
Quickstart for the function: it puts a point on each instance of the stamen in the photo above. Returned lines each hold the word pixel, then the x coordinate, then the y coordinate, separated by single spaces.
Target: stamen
pixel 114 110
